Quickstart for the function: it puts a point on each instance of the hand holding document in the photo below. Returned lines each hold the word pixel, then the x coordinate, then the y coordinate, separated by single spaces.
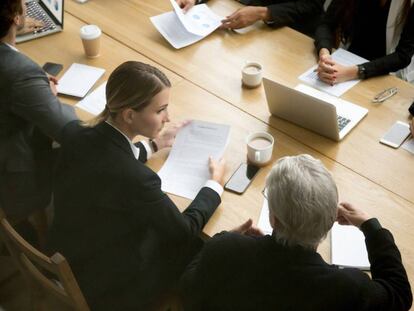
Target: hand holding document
pixel 342 57
pixel 186 170
pixel 181 29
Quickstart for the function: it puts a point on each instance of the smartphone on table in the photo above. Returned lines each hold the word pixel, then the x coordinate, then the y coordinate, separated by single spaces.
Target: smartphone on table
pixel 52 68
pixel 241 178
pixel 396 134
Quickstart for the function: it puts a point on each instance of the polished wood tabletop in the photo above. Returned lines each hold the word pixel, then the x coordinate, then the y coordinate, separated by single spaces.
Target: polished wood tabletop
pixel 215 63
pixel 190 101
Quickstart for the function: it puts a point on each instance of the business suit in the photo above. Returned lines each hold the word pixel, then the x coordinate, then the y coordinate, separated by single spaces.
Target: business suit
pixel 124 238
pixel 30 117
pixel 236 272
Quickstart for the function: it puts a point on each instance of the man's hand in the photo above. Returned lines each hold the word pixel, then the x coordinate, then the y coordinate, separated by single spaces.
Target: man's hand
pixel 245 17
pixel 248 229
pixel 167 136
pixel 349 215
pixel 185 5
pixel 30 26
pixel 53 81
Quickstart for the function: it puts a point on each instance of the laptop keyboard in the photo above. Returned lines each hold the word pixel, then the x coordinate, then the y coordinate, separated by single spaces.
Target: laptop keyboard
pixel 342 122
pixel 35 11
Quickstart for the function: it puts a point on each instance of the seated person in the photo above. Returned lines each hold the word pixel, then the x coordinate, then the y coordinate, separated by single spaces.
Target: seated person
pixel 381 31
pixel 126 241
pixel 31 116
pixel 302 15
pixel 245 271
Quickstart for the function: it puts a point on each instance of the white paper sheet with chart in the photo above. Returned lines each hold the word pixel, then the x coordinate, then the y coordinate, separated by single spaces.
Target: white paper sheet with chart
pixel 186 170
pixel 95 102
pixel 79 79
pixel 340 56
pixel 181 29
pixel 348 247
pixel 264 223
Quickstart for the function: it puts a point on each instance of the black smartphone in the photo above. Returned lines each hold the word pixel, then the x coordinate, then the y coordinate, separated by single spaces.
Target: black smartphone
pixel 241 178
pixel 52 68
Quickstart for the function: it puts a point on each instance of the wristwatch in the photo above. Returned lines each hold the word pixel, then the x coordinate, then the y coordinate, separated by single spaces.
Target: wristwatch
pixel 362 72
pixel 153 145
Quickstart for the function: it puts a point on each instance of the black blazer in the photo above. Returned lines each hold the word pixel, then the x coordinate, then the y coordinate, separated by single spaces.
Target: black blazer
pixel 236 272
pixel 125 240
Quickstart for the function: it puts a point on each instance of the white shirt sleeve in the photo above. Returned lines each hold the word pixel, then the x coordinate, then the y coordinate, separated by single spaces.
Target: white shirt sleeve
pixel 147 148
pixel 215 186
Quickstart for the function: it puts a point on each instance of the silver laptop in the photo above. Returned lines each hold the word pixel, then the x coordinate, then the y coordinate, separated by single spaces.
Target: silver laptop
pixel 50 12
pixel 322 113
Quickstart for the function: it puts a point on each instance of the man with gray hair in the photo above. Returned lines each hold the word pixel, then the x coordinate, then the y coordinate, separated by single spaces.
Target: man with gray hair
pixel 245 270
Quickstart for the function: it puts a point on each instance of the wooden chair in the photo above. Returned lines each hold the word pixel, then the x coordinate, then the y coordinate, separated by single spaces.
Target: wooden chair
pixel 38 269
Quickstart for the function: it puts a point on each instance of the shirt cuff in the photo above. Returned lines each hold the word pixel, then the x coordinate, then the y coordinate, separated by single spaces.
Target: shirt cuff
pixel 215 186
pixel 147 148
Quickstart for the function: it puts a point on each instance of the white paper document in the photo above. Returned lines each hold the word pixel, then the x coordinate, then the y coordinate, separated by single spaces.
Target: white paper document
pixel 79 79
pixel 409 145
pixel 186 170
pixel 348 247
pixel 181 29
pixel 342 57
pixel 264 223
pixel 95 102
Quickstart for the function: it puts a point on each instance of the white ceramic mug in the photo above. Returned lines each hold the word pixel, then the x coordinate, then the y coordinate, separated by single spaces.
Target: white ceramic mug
pixel 252 74
pixel 259 148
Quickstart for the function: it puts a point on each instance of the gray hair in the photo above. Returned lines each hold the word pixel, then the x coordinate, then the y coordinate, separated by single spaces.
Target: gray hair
pixel 303 197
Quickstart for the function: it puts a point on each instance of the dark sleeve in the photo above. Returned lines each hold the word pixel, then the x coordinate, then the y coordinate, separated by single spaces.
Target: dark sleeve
pixel 325 32
pixel 389 289
pixel 288 13
pixel 142 152
pixel 202 275
pixel 34 101
pixel 402 56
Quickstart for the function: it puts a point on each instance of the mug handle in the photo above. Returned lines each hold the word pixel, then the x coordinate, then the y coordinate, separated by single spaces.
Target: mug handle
pixel 257 156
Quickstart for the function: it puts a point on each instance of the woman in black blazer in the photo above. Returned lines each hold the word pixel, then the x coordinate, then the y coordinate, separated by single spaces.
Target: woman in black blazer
pixel 125 240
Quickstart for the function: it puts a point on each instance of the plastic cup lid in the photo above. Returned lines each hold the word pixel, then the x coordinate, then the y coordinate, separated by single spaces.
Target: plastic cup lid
pixel 90 32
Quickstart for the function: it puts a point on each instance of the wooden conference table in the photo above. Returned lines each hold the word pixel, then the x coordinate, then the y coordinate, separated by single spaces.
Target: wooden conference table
pixel 214 64
pixel 190 101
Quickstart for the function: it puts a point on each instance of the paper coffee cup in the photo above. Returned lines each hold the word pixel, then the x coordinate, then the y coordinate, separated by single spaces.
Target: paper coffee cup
pixel 259 148
pixel 252 74
pixel 91 39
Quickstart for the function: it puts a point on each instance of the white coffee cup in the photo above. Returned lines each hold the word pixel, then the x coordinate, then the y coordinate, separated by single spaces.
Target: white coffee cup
pixel 252 74
pixel 91 39
pixel 259 148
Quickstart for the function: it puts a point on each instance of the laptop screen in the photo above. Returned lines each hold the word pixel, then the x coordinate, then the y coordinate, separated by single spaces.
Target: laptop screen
pixel 55 7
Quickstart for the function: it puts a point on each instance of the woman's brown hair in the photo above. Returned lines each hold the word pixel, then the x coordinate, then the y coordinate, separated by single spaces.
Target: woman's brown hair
pixel 131 85
pixel 9 9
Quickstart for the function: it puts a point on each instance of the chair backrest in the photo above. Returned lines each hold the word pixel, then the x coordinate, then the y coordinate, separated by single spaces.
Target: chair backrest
pixel 46 276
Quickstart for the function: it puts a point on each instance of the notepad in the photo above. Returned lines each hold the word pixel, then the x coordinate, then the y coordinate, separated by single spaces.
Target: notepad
pixel 95 102
pixel 348 247
pixel 264 223
pixel 79 79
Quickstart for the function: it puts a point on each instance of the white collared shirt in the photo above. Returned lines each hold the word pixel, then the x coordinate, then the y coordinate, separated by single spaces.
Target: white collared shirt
pixel 12 47
pixel 135 149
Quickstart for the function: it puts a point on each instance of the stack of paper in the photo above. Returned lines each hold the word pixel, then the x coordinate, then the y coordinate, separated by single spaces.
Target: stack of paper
pixel 264 223
pixel 181 29
pixel 348 247
pixel 342 57
pixel 409 145
pixel 95 102
pixel 79 79
pixel 186 170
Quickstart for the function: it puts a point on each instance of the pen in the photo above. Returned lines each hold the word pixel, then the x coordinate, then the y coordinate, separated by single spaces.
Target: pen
pixel 385 94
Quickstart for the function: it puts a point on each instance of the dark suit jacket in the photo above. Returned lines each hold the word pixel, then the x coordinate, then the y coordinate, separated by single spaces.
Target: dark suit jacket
pixel 30 117
pixel 302 15
pixel 236 272
pixel 125 240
